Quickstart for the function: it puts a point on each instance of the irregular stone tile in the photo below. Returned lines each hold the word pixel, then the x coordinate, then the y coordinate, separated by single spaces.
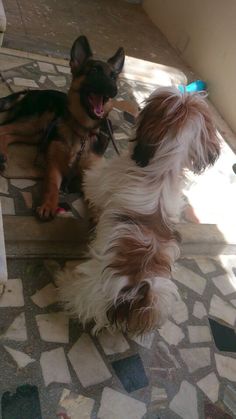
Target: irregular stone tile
pixel 127 128
pixel 42 79
pixel 46 67
pixel 87 362
pixel 185 402
pixel 190 279
pixel 113 343
pixel 199 310
pixel 158 395
pixel 116 405
pixel 180 312
pixel 17 330
pixel 199 334
pixel 18 81
pixel 8 207
pixel 225 283
pixel 210 386
pixel 76 406
pixel 114 116
pixel 229 263
pixel 13 294
pixel 59 81
pixel 53 327
pixel 171 333
pixel 80 207
pixel 19 357
pixel 120 136
pixel 205 264
pixel 222 310
pixel 54 367
pixel 129 117
pixel 233 302
pixel 46 296
pixel 24 403
pixel 211 411
pixel 3 186
pixel 164 350
pixel 145 340
pixel 224 337
pixel 27 196
pixel 195 358
pixel 226 366
pixel 131 373
pixel 230 398
pixel 15 89
pixel 62 69
pixel 22 183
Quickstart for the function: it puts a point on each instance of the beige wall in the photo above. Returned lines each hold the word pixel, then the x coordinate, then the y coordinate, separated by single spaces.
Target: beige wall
pixel 204 32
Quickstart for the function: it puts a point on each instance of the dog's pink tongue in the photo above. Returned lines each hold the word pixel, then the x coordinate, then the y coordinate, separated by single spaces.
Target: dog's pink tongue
pixel 97 102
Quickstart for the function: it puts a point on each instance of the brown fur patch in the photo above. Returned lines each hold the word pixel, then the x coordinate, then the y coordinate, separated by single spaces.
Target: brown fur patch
pixel 136 316
pixel 136 259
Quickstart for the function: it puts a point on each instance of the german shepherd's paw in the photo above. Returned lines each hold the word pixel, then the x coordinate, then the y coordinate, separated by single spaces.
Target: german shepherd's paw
pixel 46 211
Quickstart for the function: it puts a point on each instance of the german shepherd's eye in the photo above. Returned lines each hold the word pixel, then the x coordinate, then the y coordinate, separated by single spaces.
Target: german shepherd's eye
pixel 113 76
pixel 94 70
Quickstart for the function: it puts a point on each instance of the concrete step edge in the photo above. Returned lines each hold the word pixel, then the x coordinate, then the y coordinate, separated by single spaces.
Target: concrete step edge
pixel 67 238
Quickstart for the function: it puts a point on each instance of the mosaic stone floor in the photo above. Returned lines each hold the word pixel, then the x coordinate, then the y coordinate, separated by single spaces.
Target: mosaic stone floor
pixel 185 370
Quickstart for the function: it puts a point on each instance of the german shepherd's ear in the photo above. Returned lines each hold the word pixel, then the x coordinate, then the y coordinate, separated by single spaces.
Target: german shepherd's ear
pixel 117 60
pixel 80 52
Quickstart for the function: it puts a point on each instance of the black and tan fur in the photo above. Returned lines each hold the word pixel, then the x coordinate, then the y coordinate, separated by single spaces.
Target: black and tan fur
pixel 64 126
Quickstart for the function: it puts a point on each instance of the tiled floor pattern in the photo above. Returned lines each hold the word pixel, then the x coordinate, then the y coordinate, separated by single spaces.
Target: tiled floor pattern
pixel 185 370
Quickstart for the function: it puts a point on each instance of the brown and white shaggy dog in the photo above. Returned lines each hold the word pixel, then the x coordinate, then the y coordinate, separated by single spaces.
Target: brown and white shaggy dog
pixel 126 282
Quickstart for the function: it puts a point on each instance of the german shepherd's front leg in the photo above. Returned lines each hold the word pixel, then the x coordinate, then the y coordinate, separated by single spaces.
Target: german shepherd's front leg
pixel 57 163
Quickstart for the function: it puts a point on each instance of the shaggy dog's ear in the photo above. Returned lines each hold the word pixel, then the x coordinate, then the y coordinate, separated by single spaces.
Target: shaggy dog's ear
pixel 142 154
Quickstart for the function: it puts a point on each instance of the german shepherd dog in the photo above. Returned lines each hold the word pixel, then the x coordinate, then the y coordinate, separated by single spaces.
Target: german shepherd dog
pixel 66 127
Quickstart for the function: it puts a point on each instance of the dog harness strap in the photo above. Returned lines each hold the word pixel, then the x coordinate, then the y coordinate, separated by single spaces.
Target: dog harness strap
pixel 83 141
pixel 72 173
pixel 110 131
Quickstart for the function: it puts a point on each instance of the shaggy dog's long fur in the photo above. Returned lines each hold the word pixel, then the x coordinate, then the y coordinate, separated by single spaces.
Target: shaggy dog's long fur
pixel 126 280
